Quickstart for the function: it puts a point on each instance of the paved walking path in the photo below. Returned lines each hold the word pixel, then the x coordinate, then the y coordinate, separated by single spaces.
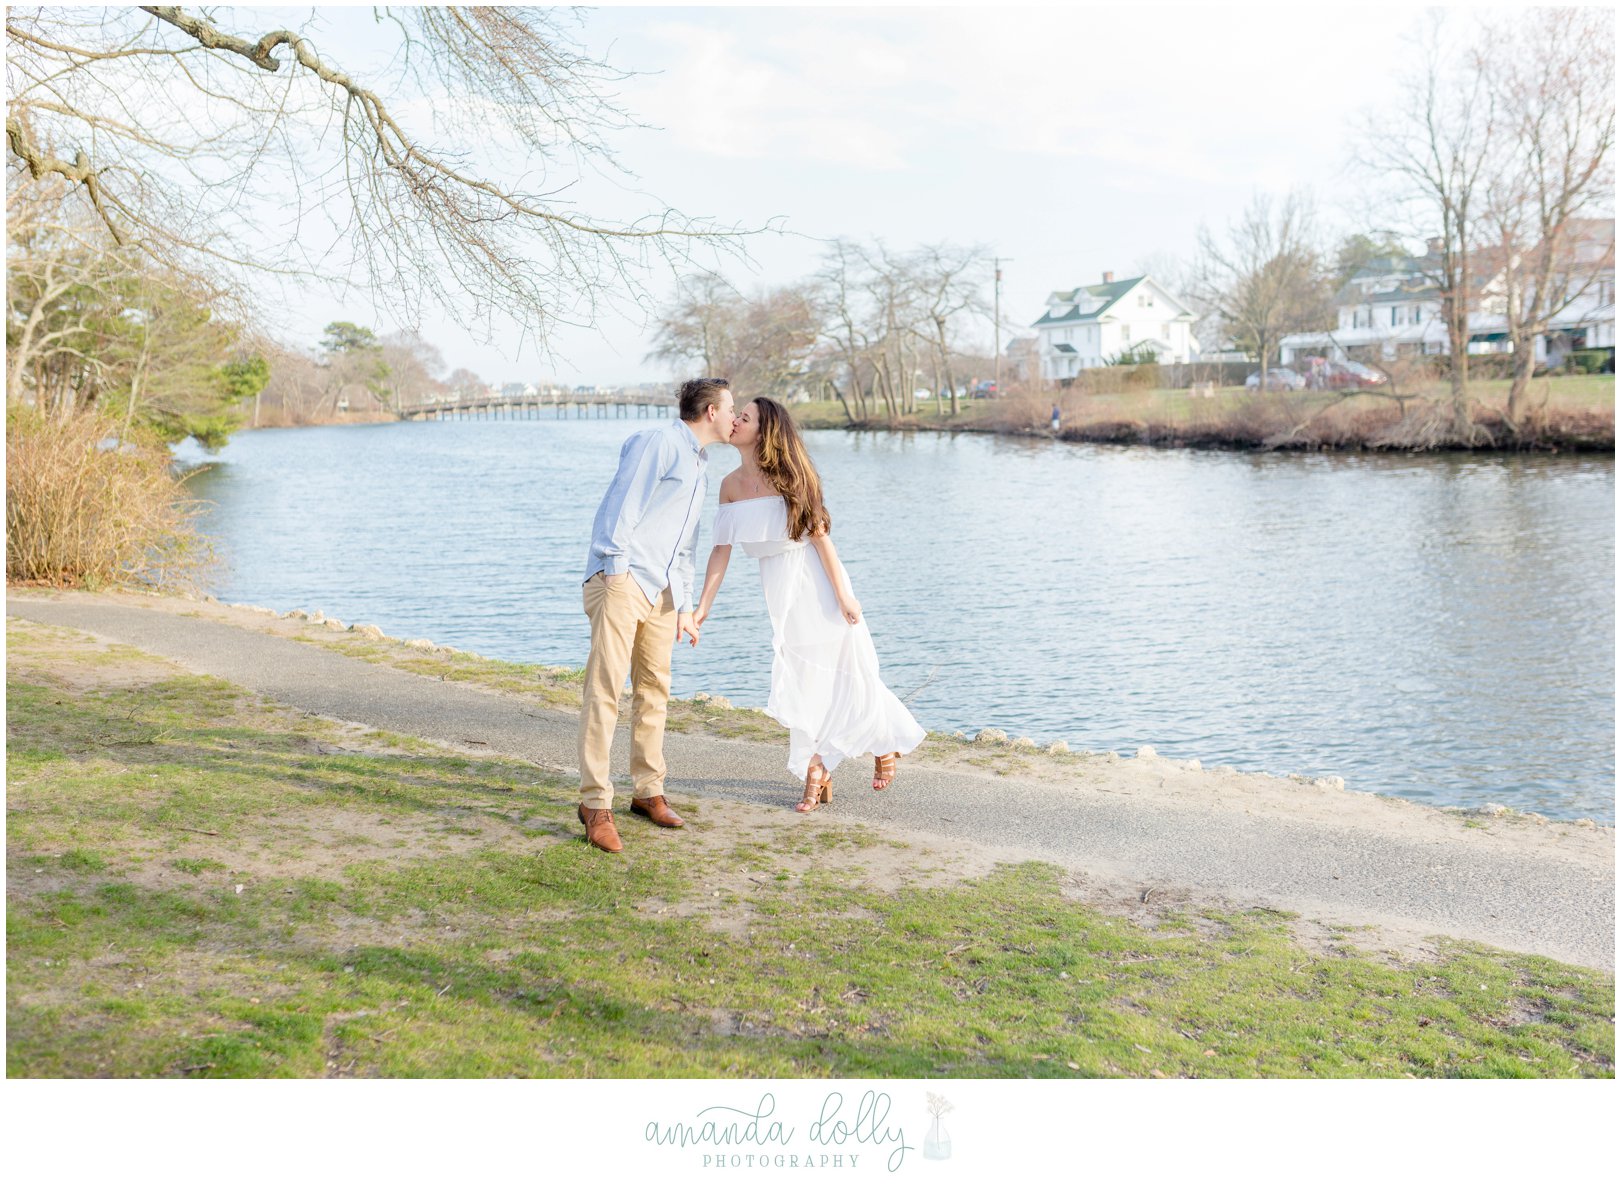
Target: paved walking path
pixel 1129 826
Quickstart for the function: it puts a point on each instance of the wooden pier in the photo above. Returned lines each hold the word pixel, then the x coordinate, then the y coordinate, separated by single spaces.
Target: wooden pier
pixel 530 408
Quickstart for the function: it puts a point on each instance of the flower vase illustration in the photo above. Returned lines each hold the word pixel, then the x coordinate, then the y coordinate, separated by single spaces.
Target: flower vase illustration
pixel 937 1144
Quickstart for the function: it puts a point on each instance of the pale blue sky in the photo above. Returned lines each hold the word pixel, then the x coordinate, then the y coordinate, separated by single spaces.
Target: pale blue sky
pixel 1071 139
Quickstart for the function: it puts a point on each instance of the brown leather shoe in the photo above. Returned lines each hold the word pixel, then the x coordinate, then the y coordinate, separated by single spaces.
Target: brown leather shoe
pixel 657 810
pixel 600 831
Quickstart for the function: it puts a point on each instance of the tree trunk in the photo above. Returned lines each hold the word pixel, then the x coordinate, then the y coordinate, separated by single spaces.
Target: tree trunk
pixel 839 395
pixel 1525 362
pixel 907 364
pixel 135 388
pixel 1458 334
pixel 945 361
pixel 19 355
pixel 854 365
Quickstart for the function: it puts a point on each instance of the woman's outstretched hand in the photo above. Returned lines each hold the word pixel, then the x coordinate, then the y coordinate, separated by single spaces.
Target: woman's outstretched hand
pixel 851 608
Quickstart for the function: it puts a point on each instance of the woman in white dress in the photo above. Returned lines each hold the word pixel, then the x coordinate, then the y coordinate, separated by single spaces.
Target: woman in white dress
pixel 825 686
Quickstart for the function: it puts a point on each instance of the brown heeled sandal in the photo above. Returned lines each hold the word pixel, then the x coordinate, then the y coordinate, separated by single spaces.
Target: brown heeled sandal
pixel 818 791
pixel 883 768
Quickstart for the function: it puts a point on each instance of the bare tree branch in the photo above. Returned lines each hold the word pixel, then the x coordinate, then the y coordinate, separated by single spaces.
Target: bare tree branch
pixel 267 124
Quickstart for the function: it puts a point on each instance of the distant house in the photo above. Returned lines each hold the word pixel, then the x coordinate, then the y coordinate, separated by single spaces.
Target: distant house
pixel 1094 325
pixel 1023 357
pixel 1391 307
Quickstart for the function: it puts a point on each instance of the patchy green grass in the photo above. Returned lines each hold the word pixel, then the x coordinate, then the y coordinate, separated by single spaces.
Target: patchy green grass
pixel 202 884
pixel 551 685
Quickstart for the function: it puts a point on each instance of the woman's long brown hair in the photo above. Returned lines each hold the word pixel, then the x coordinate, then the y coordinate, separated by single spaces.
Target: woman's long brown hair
pixel 783 459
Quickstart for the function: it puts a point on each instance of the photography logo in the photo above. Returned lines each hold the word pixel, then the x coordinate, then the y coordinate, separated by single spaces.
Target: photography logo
pixel 937 1144
pixel 837 1135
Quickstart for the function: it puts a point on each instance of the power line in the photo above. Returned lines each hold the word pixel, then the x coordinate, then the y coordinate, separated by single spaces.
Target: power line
pixel 998 261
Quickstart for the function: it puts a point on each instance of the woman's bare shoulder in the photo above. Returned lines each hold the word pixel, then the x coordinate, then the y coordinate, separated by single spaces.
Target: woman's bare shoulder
pixel 731 486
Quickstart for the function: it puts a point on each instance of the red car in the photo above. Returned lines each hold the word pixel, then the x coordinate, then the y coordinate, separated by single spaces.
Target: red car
pixel 1341 373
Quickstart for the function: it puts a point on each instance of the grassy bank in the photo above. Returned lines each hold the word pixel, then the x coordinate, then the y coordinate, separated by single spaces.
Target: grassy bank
pixel 203 884
pixel 1565 413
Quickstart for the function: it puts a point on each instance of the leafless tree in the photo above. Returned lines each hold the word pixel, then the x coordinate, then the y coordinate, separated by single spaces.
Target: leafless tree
pixel 464 382
pixel 1265 279
pixel 183 130
pixel 1432 141
pixel 779 332
pixel 56 271
pixel 297 390
pixel 863 328
pixel 1180 278
pixel 889 297
pixel 761 342
pixel 698 326
pixel 845 326
pixel 412 367
pixel 949 291
pixel 1552 72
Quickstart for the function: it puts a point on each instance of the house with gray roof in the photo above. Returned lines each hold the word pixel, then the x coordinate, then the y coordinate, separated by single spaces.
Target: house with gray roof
pixel 1392 306
pixel 1093 325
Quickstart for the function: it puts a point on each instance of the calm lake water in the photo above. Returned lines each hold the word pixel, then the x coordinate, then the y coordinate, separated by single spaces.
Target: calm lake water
pixel 1435 628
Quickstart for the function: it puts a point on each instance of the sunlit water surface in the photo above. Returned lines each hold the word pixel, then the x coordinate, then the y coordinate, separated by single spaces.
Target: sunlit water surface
pixel 1438 628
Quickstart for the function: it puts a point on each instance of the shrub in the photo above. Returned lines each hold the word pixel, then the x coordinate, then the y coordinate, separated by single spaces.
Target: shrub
pixel 1099 381
pixel 1020 410
pixel 1586 362
pixel 86 507
pixel 1143 377
pixel 1496 365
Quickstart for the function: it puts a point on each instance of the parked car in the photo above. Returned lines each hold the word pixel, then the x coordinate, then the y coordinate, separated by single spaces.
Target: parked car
pixel 985 388
pixel 1278 379
pixel 1340 373
pixel 1349 373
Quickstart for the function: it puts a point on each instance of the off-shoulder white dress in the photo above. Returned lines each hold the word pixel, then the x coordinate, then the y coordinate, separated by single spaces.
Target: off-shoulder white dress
pixel 825 686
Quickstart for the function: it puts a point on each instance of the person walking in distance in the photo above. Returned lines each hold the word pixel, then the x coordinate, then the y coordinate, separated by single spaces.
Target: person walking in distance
pixel 638 597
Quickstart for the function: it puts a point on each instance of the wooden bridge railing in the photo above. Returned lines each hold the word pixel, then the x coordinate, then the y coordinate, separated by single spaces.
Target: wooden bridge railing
pixel 528 408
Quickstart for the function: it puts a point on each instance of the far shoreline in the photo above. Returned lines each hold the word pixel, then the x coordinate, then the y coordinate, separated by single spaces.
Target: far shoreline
pixel 1160 437
pixel 1582 422
pixel 1137 434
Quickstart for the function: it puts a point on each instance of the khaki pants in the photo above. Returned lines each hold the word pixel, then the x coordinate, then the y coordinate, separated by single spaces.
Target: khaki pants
pixel 629 637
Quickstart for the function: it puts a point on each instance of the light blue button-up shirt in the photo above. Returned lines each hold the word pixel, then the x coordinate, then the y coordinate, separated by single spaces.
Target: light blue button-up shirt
pixel 647 524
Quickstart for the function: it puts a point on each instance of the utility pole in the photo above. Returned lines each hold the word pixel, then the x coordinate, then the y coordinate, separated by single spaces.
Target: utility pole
pixel 997 315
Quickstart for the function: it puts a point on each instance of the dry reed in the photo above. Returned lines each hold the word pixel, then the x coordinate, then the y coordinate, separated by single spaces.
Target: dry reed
pixel 85 508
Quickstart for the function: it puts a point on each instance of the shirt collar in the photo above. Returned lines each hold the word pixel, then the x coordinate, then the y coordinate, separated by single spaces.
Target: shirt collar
pixel 691 439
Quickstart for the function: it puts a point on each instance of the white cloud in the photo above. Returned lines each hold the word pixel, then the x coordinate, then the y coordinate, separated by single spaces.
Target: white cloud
pixel 808 95
pixel 1204 96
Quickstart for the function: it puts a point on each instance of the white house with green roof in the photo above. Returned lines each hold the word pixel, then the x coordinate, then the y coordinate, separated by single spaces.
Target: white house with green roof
pixel 1094 325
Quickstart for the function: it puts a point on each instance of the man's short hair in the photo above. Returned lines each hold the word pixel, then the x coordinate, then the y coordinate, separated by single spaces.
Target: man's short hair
pixel 698 395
